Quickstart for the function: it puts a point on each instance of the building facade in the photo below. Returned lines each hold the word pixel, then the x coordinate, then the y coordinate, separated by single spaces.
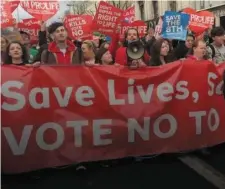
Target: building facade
pixel 150 10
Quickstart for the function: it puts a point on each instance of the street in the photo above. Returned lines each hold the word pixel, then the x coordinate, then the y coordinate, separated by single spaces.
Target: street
pixel 159 172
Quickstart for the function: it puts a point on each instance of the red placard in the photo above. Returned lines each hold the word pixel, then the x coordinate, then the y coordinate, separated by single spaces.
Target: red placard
pixel 14 5
pixel 107 18
pixel 138 24
pixel 199 21
pixel 41 10
pixel 129 15
pixel 79 26
pixel 6 19
pixel 32 27
pixel 59 115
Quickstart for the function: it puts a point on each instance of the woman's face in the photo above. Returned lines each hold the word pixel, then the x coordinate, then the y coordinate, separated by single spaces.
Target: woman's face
pixel 189 42
pixel 85 48
pixel 3 44
pixel 200 50
pixel 15 51
pixel 164 49
pixel 106 58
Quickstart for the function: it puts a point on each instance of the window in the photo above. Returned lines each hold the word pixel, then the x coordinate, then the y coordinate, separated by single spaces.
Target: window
pixel 202 4
pixel 141 5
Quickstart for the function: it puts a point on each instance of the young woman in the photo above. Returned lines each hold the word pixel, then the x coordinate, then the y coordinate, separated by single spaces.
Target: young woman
pixel 160 53
pixel 16 54
pixel 103 55
pixel 88 52
pixel 183 47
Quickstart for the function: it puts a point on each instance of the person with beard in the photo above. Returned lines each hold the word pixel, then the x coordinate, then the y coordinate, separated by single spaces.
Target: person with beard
pixel 61 51
pixel 121 55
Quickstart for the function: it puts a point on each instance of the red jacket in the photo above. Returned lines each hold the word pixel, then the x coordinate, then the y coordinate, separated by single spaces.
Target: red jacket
pixel 63 59
pixel 121 56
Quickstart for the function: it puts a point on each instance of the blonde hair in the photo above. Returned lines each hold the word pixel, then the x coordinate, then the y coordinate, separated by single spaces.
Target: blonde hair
pixel 90 44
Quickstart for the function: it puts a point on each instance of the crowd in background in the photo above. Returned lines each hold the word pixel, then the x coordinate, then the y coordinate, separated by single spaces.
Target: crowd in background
pixel 55 47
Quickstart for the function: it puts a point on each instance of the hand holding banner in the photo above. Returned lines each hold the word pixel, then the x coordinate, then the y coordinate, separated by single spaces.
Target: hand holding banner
pixel 57 115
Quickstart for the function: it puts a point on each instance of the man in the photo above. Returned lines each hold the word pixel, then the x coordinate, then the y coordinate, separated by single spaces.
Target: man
pixel 121 55
pixel 216 50
pixel 61 51
pixel 26 42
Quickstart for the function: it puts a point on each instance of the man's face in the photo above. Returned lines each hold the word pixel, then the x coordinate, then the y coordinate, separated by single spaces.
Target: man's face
pixel 132 35
pixel 219 39
pixel 60 34
pixel 151 32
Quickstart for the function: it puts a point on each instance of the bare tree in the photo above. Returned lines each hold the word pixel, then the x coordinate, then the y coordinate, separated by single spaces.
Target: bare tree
pixel 90 7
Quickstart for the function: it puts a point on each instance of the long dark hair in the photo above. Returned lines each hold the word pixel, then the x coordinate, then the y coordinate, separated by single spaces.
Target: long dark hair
pixel 8 58
pixel 102 50
pixel 155 53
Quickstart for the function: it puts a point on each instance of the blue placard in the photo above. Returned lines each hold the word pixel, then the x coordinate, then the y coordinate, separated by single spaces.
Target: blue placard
pixel 175 25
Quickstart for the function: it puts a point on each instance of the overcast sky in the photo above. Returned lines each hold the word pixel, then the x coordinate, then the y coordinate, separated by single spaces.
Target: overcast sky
pixel 20 13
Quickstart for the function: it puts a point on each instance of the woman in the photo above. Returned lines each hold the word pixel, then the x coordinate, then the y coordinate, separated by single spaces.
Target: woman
pixel 4 43
pixel 88 49
pixel 198 51
pixel 160 53
pixel 16 54
pixel 103 55
pixel 183 48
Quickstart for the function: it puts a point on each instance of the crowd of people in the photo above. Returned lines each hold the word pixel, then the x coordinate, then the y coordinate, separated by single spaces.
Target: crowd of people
pixel 55 47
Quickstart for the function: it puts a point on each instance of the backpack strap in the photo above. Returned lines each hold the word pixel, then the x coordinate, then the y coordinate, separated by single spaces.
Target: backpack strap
pixel 213 50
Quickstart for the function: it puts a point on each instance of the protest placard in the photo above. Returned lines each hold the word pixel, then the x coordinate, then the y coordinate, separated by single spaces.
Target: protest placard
pixel 175 25
pixel 107 18
pixel 41 10
pixel 6 19
pixel 79 26
pixel 138 24
pixel 129 15
pixel 199 21
pixel 32 27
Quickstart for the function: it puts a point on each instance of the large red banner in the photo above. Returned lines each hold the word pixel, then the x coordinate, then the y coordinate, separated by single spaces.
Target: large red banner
pixel 59 115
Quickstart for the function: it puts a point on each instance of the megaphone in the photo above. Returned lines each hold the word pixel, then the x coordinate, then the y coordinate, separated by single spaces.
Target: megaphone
pixel 135 50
